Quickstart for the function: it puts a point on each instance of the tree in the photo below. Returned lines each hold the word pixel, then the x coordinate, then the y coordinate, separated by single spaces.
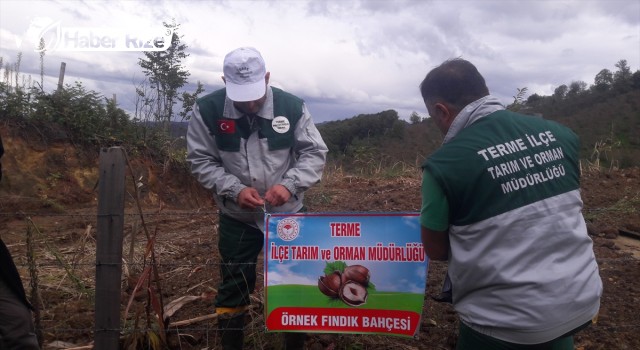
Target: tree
pixel 560 92
pixel 188 100
pixel 518 99
pixel 166 74
pixel 603 80
pixel 42 49
pixel 534 99
pixel 624 71
pixel 17 65
pixel 576 88
pixel 622 77
pixel 415 118
pixel 635 80
pixel 368 129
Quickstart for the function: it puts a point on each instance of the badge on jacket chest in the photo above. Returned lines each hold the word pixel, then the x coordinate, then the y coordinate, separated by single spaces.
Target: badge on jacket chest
pixel 280 124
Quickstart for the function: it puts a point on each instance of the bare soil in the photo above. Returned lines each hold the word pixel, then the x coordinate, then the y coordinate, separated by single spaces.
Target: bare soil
pixel 49 196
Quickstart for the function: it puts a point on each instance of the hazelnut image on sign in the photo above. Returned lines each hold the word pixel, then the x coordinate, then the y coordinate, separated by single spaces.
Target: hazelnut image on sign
pixel 353 293
pixel 349 285
pixel 356 273
pixel 330 284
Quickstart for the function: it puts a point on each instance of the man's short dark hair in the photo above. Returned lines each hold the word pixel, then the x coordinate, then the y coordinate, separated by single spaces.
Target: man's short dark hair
pixel 455 81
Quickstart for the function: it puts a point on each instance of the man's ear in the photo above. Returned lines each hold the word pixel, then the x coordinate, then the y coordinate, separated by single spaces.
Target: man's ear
pixel 444 115
pixel 441 110
pixel 266 78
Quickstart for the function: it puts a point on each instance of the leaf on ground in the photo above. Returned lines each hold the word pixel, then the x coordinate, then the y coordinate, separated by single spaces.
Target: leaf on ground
pixel 178 303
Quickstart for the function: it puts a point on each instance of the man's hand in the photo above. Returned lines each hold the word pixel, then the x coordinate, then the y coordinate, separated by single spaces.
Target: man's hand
pixel 277 195
pixel 249 198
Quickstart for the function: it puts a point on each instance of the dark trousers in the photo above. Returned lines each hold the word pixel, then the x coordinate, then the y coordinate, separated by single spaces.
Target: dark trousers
pixel 469 339
pixel 239 246
pixel 16 324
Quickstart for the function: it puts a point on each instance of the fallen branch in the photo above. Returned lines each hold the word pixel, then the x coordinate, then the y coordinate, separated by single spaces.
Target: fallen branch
pixel 193 320
pixel 629 233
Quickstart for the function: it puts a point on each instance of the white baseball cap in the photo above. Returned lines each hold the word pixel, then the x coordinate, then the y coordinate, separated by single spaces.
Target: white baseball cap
pixel 244 74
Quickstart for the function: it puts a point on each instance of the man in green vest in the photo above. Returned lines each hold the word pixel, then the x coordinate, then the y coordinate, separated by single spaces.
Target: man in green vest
pixel 256 147
pixel 501 202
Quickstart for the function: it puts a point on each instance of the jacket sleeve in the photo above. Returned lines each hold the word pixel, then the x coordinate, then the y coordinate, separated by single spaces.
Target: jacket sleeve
pixel 311 154
pixel 204 159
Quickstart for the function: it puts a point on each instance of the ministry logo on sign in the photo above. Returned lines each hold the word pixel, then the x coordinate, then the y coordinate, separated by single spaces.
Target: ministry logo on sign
pixel 288 229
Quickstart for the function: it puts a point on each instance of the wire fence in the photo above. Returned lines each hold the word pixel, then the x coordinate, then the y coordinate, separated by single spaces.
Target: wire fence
pixel 63 247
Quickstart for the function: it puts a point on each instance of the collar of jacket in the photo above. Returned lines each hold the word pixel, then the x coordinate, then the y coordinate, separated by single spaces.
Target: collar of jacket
pixel 265 112
pixel 471 113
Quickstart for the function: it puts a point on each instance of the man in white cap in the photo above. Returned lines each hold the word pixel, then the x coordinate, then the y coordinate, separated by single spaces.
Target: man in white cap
pixel 256 147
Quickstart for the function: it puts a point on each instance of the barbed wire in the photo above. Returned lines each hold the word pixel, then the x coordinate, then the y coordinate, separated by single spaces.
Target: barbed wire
pixel 31 218
pixel 218 264
pixel 596 326
pixel 21 214
pixel 213 211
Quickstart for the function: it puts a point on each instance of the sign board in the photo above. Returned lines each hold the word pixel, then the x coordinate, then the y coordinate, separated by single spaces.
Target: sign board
pixel 344 273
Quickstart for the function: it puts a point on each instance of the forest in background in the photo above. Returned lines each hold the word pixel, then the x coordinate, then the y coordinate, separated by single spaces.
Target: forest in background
pixel 606 116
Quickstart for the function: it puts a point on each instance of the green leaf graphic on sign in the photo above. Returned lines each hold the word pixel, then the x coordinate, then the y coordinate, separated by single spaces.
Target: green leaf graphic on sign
pixel 334 266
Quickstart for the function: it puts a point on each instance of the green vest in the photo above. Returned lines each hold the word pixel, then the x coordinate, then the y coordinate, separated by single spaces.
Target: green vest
pixel 228 131
pixel 502 162
pixel 521 262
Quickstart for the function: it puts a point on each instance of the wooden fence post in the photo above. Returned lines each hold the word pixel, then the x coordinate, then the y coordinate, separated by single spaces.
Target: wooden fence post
pixel 110 227
pixel 63 65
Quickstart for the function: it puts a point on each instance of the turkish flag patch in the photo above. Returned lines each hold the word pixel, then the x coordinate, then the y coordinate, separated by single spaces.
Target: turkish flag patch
pixel 227 126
